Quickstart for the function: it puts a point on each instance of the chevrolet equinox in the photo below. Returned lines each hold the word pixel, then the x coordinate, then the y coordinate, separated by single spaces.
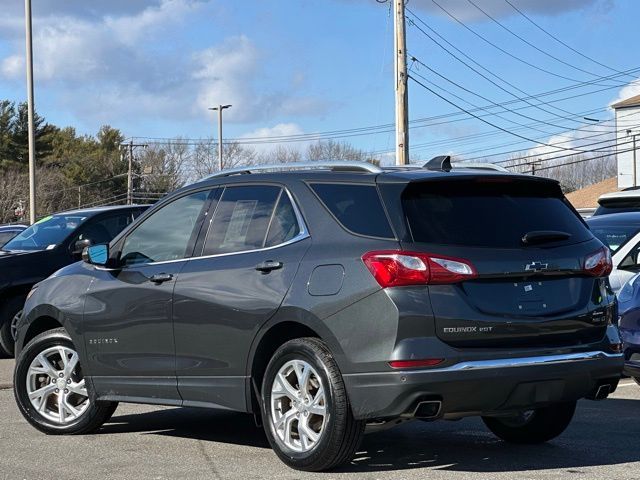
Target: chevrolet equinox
pixel 328 299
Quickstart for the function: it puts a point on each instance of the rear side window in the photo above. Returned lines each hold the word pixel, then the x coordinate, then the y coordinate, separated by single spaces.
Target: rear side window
pixel 251 217
pixel 357 207
pixel 491 214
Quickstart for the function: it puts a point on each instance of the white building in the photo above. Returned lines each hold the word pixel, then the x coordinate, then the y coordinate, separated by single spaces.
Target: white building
pixel 627 129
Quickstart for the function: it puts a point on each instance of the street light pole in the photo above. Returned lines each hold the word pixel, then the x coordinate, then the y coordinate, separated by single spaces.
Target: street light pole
pixel 219 109
pixel 30 115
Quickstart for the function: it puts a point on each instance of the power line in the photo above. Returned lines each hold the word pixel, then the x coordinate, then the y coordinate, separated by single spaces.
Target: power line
pixel 479 96
pixel 527 42
pixel 489 72
pixel 530 20
pixel 499 48
pixel 483 120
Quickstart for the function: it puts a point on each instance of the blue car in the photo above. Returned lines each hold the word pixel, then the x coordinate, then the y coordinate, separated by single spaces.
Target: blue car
pixel 629 323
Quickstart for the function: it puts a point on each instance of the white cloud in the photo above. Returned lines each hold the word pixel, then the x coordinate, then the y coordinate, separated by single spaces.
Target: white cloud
pixel 464 11
pixel 103 68
pixel 279 130
pixel 630 90
pixel 12 66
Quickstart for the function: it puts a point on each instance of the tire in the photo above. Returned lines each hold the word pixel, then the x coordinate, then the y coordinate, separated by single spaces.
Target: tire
pixel 321 442
pixel 48 376
pixel 537 426
pixel 8 311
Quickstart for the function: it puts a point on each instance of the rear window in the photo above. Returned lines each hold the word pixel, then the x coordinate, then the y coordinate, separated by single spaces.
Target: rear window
pixel 613 236
pixel 492 214
pixel 356 207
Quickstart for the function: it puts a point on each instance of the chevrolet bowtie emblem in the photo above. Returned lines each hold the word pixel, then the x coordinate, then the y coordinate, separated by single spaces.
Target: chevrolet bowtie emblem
pixel 536 266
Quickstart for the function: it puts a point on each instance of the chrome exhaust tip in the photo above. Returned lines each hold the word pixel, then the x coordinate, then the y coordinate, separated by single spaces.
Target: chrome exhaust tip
pixel 428 409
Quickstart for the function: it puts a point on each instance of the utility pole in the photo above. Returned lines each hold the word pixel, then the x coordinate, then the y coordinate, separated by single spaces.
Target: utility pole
pixel 130 146
pixel 30 114
pixel 402 94
pixel 219 109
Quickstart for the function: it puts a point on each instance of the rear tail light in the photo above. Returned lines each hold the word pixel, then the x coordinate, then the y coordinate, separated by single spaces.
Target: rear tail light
pixel 598 263
pixel 397 268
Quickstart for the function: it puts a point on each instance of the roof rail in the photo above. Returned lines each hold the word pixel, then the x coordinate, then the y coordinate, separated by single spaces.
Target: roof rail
pixel 336 166
pixel 480 166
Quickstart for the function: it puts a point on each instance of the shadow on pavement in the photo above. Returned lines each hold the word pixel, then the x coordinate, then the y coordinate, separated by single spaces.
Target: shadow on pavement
pixel 602 433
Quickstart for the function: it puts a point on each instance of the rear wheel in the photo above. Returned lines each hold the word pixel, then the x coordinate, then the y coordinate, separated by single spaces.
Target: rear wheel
pixel 50 388
pixel 308 419
pixel 533 426
pixel 9 313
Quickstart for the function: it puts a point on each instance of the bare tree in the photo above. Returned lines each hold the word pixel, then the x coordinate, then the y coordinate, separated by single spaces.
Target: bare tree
pixel 204 160
pixel 573 173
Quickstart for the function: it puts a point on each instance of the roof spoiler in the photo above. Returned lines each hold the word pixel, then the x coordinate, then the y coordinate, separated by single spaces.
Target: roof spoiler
pixel 441 163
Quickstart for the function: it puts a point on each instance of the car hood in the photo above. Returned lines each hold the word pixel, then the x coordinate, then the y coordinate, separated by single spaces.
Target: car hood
pixel 16 265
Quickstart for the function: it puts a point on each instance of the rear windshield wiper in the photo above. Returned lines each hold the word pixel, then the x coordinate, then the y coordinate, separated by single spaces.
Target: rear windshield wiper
pixel 544 236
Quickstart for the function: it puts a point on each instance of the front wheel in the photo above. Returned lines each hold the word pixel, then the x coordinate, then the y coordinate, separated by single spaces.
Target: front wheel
pixel 533 426
pixel 308 418
pixel 50 387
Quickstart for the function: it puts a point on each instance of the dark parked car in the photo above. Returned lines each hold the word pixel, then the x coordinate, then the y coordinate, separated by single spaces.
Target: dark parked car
pixel 46 246
pixel 629 323
pixel 329 298
pixel 7 232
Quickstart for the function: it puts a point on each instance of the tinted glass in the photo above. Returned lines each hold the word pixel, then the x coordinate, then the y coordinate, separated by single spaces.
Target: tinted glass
pixel 284 224
pixel 6 236
pixel 357 208
pixel 615 209
pixel 614 236
pixel 241 219
pixel 103 230
pixel 46 233
pixel 165 234
pixel 492 214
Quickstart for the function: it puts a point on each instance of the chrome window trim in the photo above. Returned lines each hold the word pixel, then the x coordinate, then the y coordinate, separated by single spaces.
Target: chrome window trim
pixel 509 363
pixel 304 233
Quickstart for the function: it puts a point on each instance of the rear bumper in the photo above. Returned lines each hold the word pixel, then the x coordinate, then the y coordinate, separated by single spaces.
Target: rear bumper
pixel 485 386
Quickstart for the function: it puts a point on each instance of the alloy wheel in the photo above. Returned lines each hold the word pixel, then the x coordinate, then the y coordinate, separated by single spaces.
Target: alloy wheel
pixel 298 406
pixel 14 325
pixel 56 387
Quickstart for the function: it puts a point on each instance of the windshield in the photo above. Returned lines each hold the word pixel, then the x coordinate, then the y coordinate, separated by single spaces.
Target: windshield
pixel 46 233
pixel 614 236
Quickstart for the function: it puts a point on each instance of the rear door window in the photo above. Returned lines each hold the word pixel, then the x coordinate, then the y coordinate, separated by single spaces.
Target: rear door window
pixel 357 207
pixel 491 214
pixel 251 217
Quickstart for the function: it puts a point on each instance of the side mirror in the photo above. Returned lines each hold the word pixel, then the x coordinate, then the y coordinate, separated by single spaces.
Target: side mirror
pixel 96 254
pixel 80 245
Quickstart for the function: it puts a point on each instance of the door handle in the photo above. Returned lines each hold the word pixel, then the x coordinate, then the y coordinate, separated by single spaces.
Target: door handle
pixel 159 278
pixel 266 267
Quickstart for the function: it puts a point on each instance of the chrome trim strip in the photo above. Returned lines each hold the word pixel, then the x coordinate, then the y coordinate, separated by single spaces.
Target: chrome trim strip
pixel 509 363
pixel 528 361
pixel 338 165
pixel 304 233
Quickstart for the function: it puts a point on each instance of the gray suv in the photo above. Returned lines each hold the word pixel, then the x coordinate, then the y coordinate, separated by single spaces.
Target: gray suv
pixel 328 300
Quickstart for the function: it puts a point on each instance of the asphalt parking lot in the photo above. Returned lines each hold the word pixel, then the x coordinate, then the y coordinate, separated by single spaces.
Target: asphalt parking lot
pixel 142 442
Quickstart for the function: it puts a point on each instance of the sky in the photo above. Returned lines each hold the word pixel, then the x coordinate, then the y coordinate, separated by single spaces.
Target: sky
pixel 152 68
